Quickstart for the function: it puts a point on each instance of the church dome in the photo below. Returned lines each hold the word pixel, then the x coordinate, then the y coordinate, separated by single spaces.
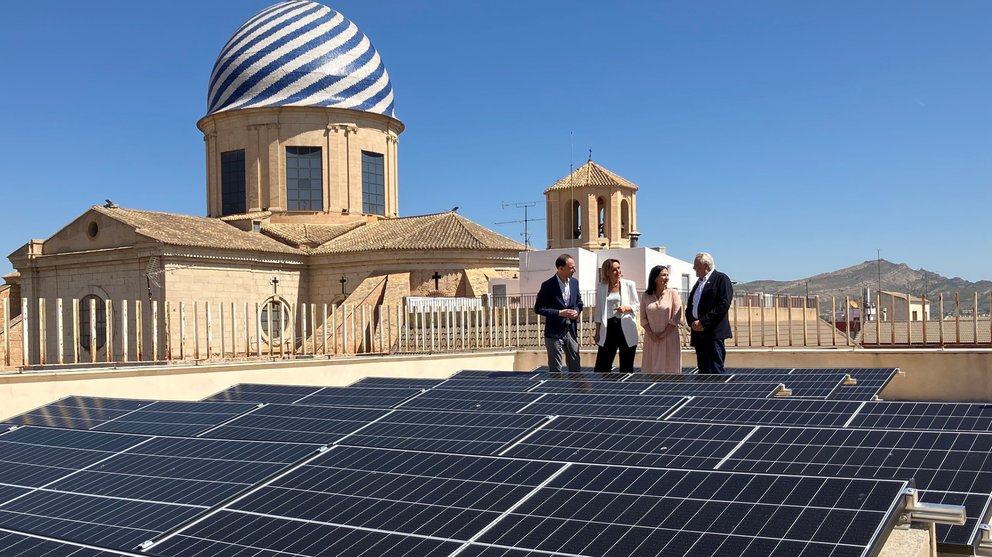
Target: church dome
pixel 299 53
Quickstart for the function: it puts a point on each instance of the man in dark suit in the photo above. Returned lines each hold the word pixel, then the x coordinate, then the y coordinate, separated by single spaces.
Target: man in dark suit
pixel 707 314
pixel 560 303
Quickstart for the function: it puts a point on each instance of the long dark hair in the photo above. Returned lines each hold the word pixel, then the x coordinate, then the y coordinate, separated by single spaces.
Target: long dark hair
pixel 653 278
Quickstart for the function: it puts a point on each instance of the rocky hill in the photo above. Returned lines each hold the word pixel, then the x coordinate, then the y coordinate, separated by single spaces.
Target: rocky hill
pixel 897 277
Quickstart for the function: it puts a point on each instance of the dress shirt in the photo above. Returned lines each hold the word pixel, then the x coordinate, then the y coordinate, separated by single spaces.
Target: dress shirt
pixel 699 292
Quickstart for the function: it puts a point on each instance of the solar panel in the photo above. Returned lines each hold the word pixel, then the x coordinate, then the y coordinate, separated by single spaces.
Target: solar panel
pixel 479 550
pixel 856 392
pixel 490 374
pixel 811 385
pixel 79 412
pixel 498 384
pixel 247 392
pixel 938 461
pixel 976 512
pixel 296 423
pixel 471 401
pixel 441 496
pixel 604 405
pixel 598 510
pixel 631 442
pixel 99 521
pixel 175 418
pixel 746 390
pixel 360 397
pixel 679 378
pixel 585 386
pixel 14 544
pixel 34 456
pixel 456 432
pixel 932 416
pixel 397 382
pixel 758 411
pixel 200 472
pixel 235 534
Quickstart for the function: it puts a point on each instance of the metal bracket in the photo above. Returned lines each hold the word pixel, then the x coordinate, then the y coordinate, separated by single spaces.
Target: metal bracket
pixel 849 381
pixel 782 390
pixel 932 512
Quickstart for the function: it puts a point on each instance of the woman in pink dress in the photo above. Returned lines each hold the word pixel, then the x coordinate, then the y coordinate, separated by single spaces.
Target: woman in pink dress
pixel 661 315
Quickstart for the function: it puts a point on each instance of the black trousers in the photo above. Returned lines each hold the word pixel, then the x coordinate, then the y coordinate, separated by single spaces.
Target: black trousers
pixel 615 341
pixel 710 355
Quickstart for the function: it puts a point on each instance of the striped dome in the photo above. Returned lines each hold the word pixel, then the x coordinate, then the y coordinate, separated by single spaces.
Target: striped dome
pixel 299 53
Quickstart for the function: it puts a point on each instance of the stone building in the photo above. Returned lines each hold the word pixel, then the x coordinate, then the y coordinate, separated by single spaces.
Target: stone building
pixel 592 208
pixel 302 196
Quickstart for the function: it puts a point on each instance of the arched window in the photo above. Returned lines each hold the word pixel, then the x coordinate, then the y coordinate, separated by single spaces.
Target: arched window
pixel 275 318
pixel 624 219
pixel 575 219
pixel 601 216
pixel 86 307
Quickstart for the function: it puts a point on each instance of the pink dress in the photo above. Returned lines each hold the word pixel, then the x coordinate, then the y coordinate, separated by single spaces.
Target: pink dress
pixel 661 316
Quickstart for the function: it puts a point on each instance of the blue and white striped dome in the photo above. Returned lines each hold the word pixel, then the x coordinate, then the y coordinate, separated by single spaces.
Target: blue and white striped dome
pixel 299 53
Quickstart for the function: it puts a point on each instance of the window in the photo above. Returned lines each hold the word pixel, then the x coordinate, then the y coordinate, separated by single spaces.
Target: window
pixel 84 322
pixel 277 311
pixel 232 182
pixel 304 179
pixel 373 184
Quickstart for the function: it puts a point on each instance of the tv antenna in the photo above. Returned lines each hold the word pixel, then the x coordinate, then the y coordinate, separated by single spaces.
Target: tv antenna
pixel 526 219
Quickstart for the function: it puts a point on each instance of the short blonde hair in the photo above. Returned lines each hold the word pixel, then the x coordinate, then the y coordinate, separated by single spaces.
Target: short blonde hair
pixel 604 271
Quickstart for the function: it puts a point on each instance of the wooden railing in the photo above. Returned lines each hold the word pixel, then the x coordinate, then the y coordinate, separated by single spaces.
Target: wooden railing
pixel 52 332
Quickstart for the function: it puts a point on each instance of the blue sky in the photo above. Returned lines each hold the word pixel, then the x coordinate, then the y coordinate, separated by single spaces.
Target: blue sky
pixel 787 138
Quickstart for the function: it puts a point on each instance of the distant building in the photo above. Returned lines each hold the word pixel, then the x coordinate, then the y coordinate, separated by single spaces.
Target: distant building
pixel 898 306
pixel 302 197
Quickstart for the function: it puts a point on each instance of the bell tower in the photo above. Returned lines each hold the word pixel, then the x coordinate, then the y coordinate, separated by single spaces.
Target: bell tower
pixel 592 208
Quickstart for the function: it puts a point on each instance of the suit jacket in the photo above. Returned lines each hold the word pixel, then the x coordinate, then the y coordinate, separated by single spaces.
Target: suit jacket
pixel 549 302
pixel 628 321
pixel 714 305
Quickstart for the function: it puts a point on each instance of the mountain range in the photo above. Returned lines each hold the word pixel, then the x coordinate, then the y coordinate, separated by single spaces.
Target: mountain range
pixel 893 277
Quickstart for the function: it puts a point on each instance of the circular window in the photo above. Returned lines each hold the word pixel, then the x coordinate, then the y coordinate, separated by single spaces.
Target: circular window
pixel 92 230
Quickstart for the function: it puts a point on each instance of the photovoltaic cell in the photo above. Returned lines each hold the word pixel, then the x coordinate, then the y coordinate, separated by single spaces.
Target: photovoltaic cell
pixel 606 405
pixel 79 412
pixel 758 411
pixel 176 418
pixel 454 432
pixel 13 544
pixel 856 392
pixel 479 550
pixel 471 401
pixel 592 510
pixel 938 461
pixel 247 392
pixel 360 397
pixel 296 423
pixel 932 416
pixel 631 442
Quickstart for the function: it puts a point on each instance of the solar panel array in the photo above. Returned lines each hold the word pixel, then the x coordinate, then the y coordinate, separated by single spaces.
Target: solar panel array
pixel 493 464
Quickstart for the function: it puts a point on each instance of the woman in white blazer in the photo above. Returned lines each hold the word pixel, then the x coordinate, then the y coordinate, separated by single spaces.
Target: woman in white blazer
pixel 616 308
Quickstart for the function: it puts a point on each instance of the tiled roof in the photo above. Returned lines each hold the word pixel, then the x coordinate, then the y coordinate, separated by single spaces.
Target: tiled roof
pixel 307 235
pixel 591 174
pixel 246 216
pixel 441 231
pixel 190 231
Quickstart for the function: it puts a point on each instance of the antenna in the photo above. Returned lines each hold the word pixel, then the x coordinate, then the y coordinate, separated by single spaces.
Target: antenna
pixel 526 219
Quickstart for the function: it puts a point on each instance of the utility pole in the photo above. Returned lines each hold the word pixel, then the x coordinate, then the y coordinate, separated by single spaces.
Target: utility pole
pixel 526 220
